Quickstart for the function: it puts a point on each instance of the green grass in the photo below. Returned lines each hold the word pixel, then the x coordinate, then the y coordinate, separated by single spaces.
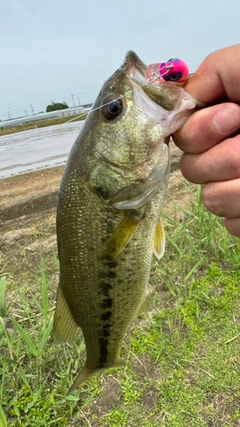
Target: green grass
pixel 182 357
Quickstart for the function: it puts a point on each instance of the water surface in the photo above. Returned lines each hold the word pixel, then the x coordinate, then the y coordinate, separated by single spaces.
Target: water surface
pixel 36 148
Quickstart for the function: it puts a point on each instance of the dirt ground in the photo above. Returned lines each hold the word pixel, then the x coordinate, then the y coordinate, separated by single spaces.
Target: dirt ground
pixel 28 233
pixel 27 217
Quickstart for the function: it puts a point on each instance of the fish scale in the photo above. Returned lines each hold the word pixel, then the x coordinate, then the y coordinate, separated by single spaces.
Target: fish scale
pixel 109 211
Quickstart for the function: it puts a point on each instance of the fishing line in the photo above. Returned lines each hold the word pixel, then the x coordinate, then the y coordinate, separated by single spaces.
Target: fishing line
pixel 155 76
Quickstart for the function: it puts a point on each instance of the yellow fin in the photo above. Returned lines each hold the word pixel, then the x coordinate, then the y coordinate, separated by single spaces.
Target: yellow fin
pixel 159 240
pixel 64 327
pixel 122 235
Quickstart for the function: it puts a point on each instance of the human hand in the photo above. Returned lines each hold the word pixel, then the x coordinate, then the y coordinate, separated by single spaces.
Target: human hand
pixel 210 138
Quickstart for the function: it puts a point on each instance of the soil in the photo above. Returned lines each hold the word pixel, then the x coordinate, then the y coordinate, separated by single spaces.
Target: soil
pixel 28 233
pixel 27 216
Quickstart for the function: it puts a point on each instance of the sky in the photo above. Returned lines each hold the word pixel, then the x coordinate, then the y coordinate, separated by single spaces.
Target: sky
pixel 55 51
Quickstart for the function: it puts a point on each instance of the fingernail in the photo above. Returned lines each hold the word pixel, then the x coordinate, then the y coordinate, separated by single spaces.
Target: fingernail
pixel 227 120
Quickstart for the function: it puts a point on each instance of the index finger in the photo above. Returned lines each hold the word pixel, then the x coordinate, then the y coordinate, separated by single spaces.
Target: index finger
pixel 217 77
pixel 201 131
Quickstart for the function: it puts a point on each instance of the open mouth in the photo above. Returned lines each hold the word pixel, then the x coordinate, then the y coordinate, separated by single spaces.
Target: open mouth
pixel 161 93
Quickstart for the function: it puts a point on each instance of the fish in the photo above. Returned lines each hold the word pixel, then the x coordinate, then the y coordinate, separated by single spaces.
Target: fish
pixel 109 221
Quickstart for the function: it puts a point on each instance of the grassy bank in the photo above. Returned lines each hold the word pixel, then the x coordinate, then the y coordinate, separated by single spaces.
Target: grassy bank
pixel 40 124
pixel 182 362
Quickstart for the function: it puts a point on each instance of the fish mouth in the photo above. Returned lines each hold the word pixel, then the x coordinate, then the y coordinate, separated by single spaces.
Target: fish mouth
pixel 135 68
pixel 164 94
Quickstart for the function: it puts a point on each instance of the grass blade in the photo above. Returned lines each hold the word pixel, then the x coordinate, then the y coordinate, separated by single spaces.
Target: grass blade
pixel 3 296
pixel 25 336
pixel 3 420
pixel 44 293
pixel 45 337
pixel 193 270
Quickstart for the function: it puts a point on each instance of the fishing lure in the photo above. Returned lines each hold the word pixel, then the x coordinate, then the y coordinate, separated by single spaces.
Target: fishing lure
pixel 174 70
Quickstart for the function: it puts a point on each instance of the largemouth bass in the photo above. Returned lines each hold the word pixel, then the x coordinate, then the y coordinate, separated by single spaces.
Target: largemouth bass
pixel 109 210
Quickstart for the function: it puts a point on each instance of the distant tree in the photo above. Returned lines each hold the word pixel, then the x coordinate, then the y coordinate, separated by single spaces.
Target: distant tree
pixel 56 106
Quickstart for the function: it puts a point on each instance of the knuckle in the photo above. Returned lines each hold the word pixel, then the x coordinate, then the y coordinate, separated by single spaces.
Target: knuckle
pixel 211 199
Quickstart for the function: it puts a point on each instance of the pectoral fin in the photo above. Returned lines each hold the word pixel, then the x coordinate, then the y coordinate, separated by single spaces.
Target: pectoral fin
pixel 159 240
pixel 122 235
pixel 64 327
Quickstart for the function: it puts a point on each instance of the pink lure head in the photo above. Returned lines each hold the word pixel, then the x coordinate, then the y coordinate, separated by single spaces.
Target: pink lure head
pixel 175 70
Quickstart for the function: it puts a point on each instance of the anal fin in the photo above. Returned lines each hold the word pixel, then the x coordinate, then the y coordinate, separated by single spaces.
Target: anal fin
pixel 64 326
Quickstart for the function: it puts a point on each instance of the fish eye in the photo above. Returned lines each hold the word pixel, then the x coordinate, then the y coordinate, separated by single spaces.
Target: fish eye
pixel 112 108
pixel 175 77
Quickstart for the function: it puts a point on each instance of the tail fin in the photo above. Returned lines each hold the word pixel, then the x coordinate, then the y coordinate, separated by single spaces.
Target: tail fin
pixel 87 373
pixel 83 376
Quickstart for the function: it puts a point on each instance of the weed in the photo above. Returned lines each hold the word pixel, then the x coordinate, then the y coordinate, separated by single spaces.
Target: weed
pixel 183 362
